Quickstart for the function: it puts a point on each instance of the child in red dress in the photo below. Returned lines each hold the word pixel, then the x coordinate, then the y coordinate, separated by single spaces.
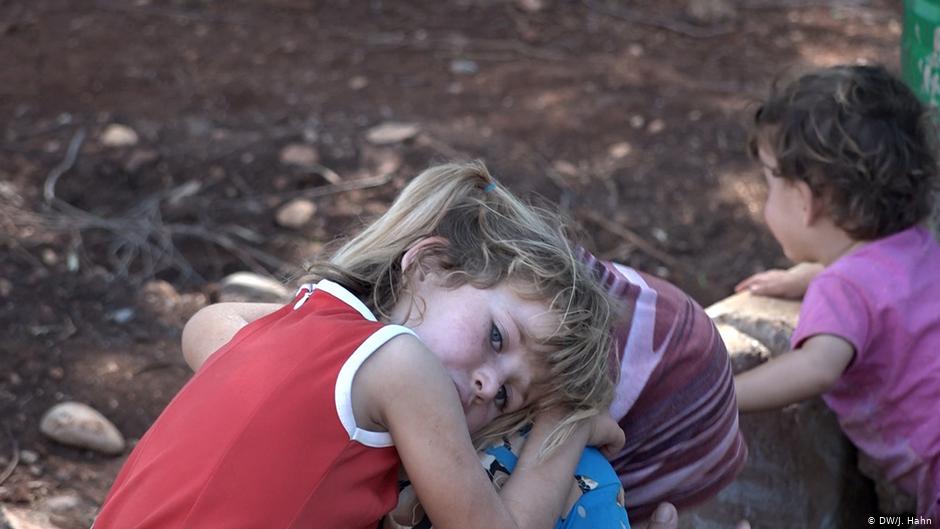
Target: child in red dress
pixel 459 308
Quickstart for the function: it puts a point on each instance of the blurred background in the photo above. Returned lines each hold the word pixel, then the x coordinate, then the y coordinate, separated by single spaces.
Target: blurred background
pixel 151 148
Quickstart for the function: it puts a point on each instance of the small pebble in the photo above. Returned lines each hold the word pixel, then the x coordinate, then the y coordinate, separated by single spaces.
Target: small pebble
pixel 116 135
pixel 464 67
pixel 656 126
pixel 28 457
pixel 391 132
pixel 299 154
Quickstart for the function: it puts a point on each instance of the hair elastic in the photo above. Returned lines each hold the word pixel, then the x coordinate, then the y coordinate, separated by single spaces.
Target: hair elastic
pixel 490 186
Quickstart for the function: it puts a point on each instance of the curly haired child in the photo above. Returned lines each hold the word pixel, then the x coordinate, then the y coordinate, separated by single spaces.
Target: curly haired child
pixel 849 156
pixel 459 306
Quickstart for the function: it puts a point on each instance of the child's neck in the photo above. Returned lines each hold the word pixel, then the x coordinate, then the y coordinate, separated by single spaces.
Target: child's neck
pixel 831 242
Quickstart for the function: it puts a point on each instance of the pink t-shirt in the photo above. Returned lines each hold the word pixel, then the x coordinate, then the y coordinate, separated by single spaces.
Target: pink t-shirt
pixel 884 299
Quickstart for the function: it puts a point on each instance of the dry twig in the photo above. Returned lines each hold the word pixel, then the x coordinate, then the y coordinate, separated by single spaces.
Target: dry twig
pixel 661 22
pixel 14 460
pixel 156 366
pixel 791 4
pixel 635 239
pixel 342 187
pixel 71 154
pixel 140 235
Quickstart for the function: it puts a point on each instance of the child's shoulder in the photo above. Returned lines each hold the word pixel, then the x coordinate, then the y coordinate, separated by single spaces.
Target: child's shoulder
pixel 895 274
pixel 910 253
pixel 914 243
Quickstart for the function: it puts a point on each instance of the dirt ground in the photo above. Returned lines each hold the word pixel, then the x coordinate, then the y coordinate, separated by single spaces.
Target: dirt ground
pixel 630 114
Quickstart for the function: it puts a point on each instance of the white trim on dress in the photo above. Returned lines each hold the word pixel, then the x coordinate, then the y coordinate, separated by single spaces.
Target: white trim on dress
pixel 344 380
pixel 337 291
pixel 344 406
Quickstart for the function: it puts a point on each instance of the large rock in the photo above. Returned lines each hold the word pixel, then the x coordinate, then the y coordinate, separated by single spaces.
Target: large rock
pixel 801 470
pixel 248 286
pixel 768 320
pixel 80 425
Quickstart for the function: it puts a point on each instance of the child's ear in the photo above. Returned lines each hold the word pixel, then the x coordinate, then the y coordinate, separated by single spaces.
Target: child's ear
pixel 417 255
pixel 810 205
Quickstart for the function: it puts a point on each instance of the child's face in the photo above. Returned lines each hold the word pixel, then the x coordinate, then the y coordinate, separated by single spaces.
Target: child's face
pixel 486 340
pixel 784 209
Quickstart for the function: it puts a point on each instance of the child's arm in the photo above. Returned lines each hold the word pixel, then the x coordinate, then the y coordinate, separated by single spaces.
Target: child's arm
pixel 527 492
pixel 213 326
pixel 794 376
pixel 790 283
pixel 404 389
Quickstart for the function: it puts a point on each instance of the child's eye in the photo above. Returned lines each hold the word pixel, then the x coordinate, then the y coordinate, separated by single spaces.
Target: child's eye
pixel 502 398
pixel 496 337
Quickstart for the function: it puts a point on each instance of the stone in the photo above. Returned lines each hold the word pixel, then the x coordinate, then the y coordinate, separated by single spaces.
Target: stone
pixel 190 303
pixel 20 518
pixel 197 126
pixel 745 351
pixel 800 470
pixel 358 82
pixel 711 11
pixel 248 286
pixel 158 297
pixel 464 67
pixel 530 6
pixel 49 257
pixel 296 213
pixel 116 135
pixel 159 300
pixel 122 315
pixel 381 161
pixel 620 149
pixel 391 132
pixel 769 320
pixel 140 158
pixel 62 502
pixel 80 425
pixel 300 155
pixel 28 457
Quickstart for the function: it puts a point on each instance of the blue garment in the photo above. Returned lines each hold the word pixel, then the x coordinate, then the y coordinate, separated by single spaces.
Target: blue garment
pixel 601 503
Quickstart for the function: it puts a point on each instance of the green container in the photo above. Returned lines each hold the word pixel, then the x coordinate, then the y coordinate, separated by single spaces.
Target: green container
pixel 920 64
pixel 920 49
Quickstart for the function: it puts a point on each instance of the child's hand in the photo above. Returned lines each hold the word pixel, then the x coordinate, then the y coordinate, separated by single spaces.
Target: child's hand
pixel 606 435
pixel 666 517
pixel 791 283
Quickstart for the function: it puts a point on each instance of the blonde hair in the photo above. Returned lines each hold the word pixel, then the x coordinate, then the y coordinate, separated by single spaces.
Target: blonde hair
pixel 493 237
